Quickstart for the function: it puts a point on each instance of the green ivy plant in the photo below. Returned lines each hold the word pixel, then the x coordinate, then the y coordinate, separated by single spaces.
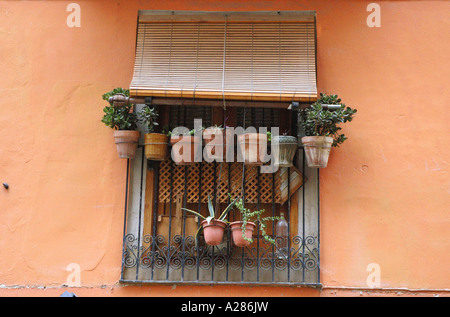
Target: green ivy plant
pixel 317 121
pixel 119 117
pixel 254 216
pixel 148 117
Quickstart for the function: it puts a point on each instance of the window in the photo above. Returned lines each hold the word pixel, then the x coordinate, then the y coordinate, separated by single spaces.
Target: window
pixel 160 247
pixel 238 70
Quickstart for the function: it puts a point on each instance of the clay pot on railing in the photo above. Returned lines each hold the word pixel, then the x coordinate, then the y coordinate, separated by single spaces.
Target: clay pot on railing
pixel 317 150
pixel 238 237
pixel 213 231
pixel 284 148
pixel 215 144
pixel 253 147
pixel 126 142
pixel 156 145
pixel 185 142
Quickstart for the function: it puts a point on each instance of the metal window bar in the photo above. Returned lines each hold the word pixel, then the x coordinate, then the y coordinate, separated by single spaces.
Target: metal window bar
pixel 184 259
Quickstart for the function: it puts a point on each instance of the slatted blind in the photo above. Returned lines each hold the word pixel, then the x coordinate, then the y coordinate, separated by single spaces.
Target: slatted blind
pixel 226 57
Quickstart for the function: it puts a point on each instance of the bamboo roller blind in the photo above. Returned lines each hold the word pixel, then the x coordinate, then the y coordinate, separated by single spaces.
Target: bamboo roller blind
pixel 229 57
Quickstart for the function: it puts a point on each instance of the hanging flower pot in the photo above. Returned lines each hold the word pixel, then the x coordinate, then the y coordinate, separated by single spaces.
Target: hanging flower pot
pixel 213 228
pixel 123 119
pixel 156 146
pixel 182 143
pixel 243 238
pixel 126 142
pixel 321 126
pixel 237 233
pixel 317 150
pixel 284 148
pixel 253 147
pixel 215 144
pixel 213 231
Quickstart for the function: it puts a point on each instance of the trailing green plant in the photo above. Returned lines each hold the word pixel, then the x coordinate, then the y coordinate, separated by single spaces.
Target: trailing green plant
pixel 119 117
pixel 212 212
pixel 317 121
pixel 256 217
pixel 148 117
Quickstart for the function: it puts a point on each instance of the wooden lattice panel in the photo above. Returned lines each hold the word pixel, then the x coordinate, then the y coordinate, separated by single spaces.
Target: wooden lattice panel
pixel 216 177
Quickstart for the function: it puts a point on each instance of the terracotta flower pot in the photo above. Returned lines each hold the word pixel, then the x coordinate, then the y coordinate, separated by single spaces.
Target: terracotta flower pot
pixel 156 146
pixel 213 232
pixel 236 232
pixel 284 148
pixel 253 147
pixel 182 142
pixel 126 142
pixel 214 139
pixel 317 150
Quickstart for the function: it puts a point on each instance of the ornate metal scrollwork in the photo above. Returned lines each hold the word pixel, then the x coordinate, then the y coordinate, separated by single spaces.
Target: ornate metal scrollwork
pixel 186 252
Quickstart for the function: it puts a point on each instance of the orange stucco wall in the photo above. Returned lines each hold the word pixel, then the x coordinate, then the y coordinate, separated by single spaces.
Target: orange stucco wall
pixel 384 196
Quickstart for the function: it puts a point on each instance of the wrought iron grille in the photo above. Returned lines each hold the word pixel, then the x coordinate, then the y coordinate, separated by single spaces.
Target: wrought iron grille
pixel 160 245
